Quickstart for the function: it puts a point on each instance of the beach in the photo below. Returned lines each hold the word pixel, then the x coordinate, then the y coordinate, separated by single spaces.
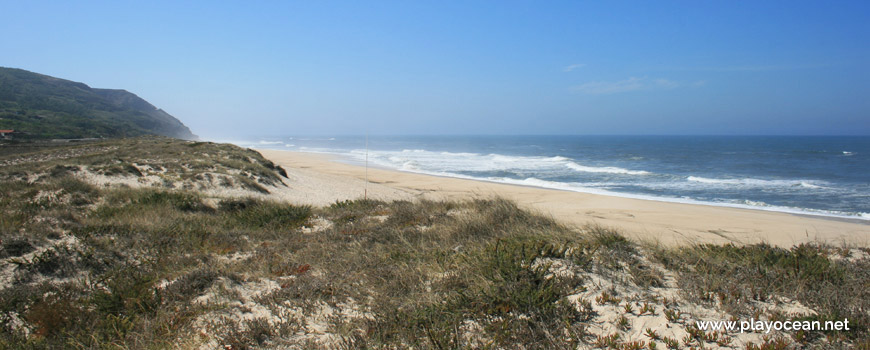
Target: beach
pixel 270 255
pixel 321 179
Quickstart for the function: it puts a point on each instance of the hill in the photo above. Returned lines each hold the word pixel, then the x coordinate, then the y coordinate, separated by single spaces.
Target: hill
pixel 43 107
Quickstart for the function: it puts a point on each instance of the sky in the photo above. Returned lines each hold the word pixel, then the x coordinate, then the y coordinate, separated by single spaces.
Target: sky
pixel 234 68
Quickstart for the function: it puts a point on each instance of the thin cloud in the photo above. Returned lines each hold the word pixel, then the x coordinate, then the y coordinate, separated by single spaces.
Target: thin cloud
pixel 610 87
pixel 573 67
pixel 751 68
pixel 631 84
pixel 666 84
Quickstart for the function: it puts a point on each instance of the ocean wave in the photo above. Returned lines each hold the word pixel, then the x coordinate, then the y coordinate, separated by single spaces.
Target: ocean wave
pixel 743 204
pixel 442 161
pixel 750 182
pixel 755 203
pixel 271 142
pixel 461 154
pixel 749 204
pixel 847 153
pixel 608 169
pixel 410 165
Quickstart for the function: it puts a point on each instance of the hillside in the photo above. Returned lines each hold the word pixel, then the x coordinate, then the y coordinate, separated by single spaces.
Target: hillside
pixel 43 107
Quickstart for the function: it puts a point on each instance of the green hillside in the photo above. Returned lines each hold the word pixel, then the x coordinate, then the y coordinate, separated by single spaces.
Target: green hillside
pixel 43 107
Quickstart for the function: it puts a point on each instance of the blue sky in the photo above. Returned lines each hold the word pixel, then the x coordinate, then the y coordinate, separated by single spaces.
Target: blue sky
pixel 463 67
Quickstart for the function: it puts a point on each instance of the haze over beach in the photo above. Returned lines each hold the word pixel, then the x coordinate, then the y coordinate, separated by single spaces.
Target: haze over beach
pixel 432 175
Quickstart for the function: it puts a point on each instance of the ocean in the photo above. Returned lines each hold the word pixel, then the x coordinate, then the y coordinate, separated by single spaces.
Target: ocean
pixel 814 175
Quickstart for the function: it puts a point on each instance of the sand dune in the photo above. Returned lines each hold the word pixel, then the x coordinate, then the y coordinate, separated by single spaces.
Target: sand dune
pixel 320 179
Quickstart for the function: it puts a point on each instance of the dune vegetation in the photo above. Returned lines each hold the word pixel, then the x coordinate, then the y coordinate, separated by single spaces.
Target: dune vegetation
pixel 185 249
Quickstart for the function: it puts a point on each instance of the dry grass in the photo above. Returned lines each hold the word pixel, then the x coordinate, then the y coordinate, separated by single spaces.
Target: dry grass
pixel 738 278
pixel 96 267
pixel 154 160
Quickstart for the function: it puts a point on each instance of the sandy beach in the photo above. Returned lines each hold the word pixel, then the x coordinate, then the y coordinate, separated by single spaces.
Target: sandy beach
pixel 320 179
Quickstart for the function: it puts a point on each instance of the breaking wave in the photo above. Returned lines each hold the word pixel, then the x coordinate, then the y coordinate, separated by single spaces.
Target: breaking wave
pixel 758 183
pixel 423 160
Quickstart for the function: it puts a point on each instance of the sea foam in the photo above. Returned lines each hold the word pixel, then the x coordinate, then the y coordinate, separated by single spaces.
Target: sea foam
pixel 758 183
pixel 439 162
pixel 608 169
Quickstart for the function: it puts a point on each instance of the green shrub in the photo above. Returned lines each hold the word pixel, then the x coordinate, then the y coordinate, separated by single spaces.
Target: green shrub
pixel 16 246
pixel 266 214
pixel 183 201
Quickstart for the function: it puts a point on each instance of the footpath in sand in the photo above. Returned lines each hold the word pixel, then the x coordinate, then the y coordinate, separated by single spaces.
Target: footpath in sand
pixel 319 179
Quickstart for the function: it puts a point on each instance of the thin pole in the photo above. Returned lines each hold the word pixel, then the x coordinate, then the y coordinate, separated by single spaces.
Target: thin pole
pixel 366 190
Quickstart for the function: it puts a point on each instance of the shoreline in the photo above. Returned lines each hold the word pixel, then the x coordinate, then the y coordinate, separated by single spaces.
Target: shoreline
pixel 808 213
pixel 774 209
pixel 667 222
